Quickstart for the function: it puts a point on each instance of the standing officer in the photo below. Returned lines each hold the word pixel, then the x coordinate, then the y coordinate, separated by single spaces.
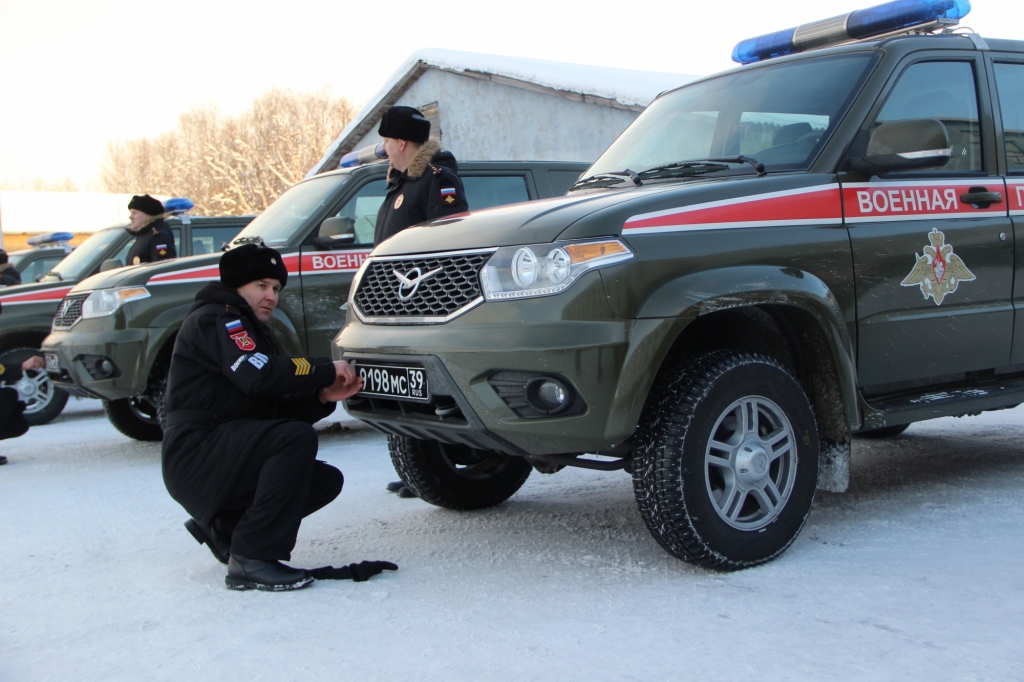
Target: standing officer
pixel 423 184
pixel 154 240
pixel 239 451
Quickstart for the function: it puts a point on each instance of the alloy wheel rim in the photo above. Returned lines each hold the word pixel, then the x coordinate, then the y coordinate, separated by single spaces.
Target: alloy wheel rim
pixel 35 390
pixel 750 463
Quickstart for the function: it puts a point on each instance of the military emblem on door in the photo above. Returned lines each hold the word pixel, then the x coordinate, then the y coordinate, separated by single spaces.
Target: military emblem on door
pixel 938 271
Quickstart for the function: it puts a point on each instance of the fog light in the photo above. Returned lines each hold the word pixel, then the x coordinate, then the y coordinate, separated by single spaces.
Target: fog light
pixel 548 395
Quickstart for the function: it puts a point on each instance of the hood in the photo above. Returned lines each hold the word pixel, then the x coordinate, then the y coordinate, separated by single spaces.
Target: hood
pixel 139 275
pixel 530 222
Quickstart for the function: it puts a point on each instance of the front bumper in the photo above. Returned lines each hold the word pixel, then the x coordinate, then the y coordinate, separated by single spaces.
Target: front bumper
pixel 126 349
pixel 574 335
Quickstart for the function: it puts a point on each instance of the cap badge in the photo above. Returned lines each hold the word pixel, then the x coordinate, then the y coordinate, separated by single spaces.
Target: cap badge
pixel 273 261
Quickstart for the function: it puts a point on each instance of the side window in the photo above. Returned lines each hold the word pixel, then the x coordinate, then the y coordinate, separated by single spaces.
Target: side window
pixel 38 268
pixel 212 239
pixel 362 209
pixel 485 191
pixel 946 91
pixel 1010 86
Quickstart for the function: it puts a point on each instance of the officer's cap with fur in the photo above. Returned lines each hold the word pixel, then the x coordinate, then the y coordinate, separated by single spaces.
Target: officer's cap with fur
pixel 250 262
pixel 404 123
pixel 146 204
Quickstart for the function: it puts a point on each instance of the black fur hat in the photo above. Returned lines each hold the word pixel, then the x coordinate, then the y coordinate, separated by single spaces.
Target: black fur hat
pixel 146 204
pixel 250 262
pixel 404 123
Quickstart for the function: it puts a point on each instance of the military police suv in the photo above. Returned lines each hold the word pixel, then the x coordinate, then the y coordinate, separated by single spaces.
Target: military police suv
pixel 114 332
pixel 26 311
pixel 766 261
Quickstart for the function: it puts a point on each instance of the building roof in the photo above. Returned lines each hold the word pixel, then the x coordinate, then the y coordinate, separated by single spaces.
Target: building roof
pixel 616 88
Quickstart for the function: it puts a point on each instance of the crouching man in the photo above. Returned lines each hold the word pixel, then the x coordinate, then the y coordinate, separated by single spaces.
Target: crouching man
pixel 239 451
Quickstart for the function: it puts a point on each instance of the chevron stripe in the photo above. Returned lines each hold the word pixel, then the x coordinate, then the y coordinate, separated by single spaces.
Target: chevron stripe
pixel 302 366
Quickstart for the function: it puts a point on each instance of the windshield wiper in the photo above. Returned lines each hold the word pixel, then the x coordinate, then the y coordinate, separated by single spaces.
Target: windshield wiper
pixel 699 167
pixel 611 178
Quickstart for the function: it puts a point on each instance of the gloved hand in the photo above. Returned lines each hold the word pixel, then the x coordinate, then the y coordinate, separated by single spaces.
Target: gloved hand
pixel 364 570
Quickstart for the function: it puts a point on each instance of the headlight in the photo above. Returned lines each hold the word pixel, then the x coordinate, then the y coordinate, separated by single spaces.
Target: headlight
pixel 106 301
pixel 546 269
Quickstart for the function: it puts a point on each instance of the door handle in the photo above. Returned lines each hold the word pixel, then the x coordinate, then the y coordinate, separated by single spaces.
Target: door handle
pixel 980 197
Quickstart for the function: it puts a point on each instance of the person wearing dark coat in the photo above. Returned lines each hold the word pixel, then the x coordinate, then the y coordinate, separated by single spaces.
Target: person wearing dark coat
pixel 12 423
pixel 153 237
pixel 423 184
pixel 239 448
pixel 9 275
pixel 423 181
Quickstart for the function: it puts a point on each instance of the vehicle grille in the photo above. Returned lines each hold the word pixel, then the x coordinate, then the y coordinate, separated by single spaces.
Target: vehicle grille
pixel 69 312
pixel 455 288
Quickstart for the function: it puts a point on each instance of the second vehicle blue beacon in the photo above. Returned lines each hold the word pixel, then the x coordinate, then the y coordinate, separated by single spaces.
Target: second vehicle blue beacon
pixel 863 23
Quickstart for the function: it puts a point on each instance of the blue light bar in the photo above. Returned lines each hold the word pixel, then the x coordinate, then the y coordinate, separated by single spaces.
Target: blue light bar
pixel 178 205
pixel 863 23
pixel 50 238
pixel 365 155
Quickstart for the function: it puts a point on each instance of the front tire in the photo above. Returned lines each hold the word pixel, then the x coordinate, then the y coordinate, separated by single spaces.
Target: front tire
pixel 457 476
pixel 135 418
pixel 43 401
pixel 728 460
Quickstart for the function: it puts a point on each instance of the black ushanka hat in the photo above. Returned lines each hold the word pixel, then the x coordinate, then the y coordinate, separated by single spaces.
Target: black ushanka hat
pixel 404 123
pixel 146 204
pixel 250 262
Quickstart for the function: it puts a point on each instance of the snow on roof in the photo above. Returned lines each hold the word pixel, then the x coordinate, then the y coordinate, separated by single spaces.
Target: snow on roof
pixel 619 88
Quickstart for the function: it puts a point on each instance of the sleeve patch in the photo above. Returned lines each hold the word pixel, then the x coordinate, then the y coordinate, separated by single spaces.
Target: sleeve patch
pixel 258 360
pixel 2 369
pixel 448 195
pixel 302 366
pixel 239 361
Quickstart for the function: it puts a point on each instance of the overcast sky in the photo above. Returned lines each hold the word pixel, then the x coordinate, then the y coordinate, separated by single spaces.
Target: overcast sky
pixel 75 75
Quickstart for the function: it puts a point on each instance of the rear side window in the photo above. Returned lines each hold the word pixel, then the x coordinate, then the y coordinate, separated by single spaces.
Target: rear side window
pixel 1010 86
pixel 212 239
pixel 485 191
pixel 946 91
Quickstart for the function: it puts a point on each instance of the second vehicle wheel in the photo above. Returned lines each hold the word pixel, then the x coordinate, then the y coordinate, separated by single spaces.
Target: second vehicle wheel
pixel 457 476
pixel 43 401
pixel 135 418
pixel 728 460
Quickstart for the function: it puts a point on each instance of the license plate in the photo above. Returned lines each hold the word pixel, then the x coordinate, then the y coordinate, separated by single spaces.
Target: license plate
pixel 386 381
pixel 52 362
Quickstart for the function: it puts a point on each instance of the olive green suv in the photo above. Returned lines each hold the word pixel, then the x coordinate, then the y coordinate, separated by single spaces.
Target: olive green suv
pixel 113 333
pixel 765 262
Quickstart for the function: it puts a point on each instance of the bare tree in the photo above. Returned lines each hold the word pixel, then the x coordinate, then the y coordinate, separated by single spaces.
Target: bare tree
pixel 231 165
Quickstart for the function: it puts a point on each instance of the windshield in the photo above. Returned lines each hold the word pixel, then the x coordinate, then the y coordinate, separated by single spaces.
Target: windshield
pixel 80 262
pixel 277 225
pixel 781 115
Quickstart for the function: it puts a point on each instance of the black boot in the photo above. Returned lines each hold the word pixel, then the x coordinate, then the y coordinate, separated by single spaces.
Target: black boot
pixel 272 576
pixel 395 486
pixel 219 545
pixel 3 460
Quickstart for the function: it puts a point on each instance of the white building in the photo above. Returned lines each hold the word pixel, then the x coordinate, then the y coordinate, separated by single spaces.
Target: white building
pixel 488 107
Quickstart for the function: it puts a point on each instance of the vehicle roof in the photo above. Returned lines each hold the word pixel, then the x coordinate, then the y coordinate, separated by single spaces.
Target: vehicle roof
pixel 38 249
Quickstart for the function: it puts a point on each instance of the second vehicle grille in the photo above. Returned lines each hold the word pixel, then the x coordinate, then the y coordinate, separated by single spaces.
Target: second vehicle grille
pixel 69 311
pixel 427 297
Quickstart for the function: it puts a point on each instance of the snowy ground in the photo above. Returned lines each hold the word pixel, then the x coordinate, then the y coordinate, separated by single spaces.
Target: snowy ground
pixel 915 574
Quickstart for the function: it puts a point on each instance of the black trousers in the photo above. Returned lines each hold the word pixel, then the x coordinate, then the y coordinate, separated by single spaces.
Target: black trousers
pixel 12 424
pixel 282 482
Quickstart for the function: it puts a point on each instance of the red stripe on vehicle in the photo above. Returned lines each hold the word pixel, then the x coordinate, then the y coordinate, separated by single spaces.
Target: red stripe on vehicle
pixel 1015 198
pixel 55 295
pixel 806 206
pixel 865 202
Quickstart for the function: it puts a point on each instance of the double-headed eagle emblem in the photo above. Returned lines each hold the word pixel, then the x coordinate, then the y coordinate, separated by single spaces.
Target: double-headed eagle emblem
pixel 938 271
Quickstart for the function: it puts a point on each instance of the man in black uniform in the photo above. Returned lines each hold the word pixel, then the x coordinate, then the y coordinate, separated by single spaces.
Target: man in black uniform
pixel 9 275
pixel 154 240
pixel 12 424
pixel 423 181
pixel 423 184
pixel 239 450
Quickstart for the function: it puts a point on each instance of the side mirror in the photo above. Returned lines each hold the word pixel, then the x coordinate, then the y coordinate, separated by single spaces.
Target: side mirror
pixel 111 264
pixel 905 145
pixel 335 232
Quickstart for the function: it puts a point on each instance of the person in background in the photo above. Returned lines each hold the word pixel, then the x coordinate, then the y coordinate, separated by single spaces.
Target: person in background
pixel 9 275
pixel 239 448
pixel 12 423
pixel 153 237
pixel 423 184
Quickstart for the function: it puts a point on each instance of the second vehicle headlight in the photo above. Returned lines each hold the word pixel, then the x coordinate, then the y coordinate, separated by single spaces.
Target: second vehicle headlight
pixel 546 269
pixel 106 301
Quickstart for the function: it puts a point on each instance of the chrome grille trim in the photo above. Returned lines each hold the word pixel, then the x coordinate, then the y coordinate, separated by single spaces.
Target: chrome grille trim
pixel 69 312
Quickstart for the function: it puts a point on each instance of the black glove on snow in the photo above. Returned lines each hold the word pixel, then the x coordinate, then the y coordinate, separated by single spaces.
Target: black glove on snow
pixel 364 570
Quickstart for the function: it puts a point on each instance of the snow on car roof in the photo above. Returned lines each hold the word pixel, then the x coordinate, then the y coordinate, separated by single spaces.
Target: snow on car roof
pixel 623 88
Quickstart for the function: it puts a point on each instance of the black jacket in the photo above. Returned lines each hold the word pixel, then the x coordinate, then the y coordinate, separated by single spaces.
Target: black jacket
pixel 154 242
pixel 9 275
pixel 226 365
pixel 430 188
